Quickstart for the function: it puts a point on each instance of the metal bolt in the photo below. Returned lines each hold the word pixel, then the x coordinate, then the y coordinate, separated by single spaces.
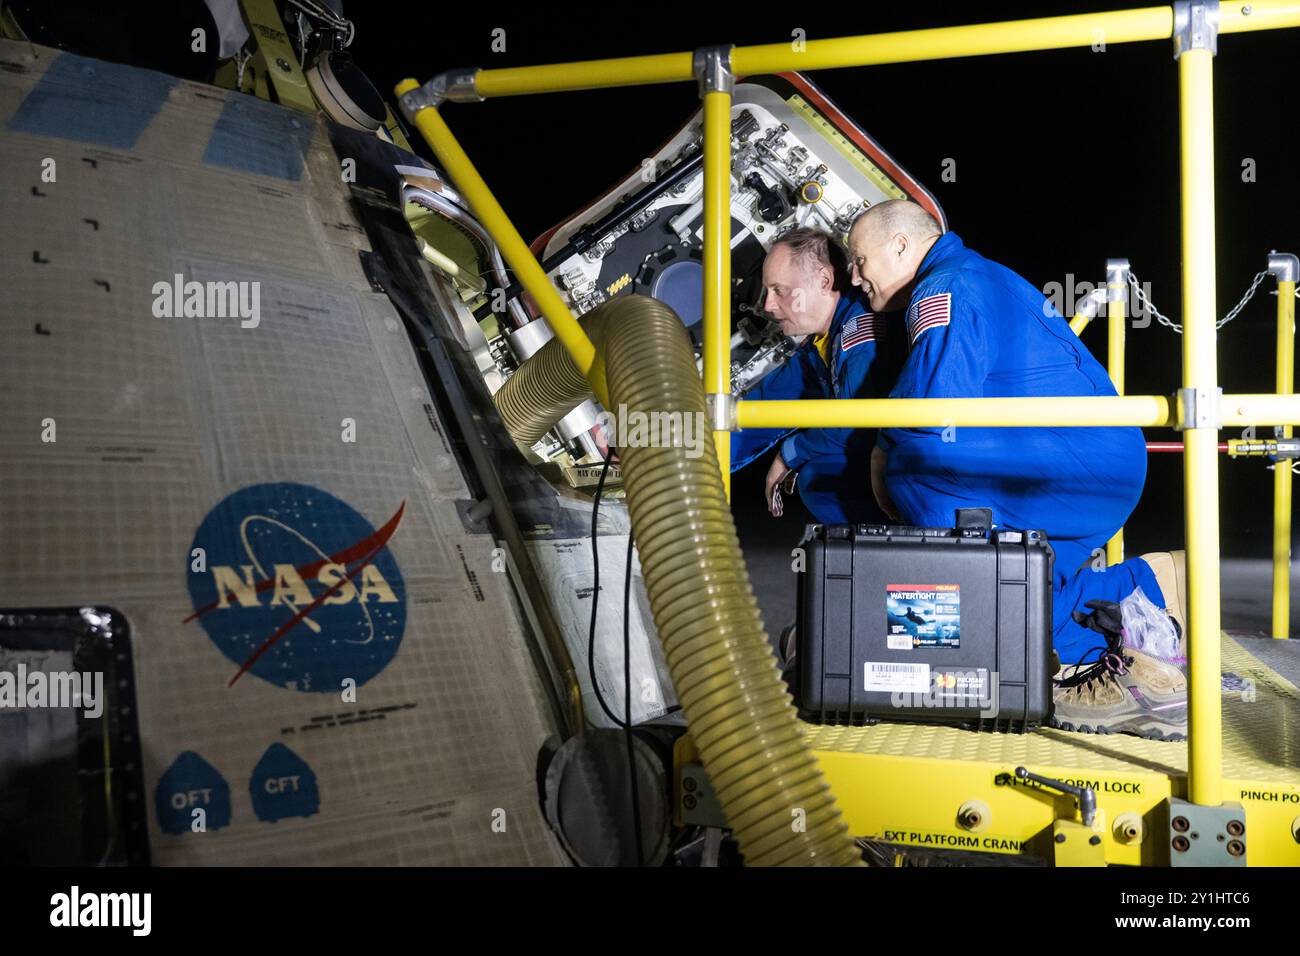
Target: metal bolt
pixel 1181 844
pixel 1128 828
pixel 1180 824
pixel 1094 840
pixel 689 784
pixel 1060 838
pixel 282 63
pixel 1247 10
pixel 1236 828
pixel 1236 848
pixel 688 802
pixel 973 815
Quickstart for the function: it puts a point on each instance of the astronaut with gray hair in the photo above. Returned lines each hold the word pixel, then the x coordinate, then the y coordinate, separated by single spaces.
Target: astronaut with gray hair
pixel 976 329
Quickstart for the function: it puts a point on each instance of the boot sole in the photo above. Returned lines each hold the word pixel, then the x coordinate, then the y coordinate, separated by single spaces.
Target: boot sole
pixel 1150 733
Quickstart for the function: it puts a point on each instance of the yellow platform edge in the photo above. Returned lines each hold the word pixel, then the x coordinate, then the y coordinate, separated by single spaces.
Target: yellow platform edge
pixel 905 783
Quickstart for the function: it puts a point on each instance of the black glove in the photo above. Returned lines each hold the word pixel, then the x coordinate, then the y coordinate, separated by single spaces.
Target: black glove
pixel 1106 618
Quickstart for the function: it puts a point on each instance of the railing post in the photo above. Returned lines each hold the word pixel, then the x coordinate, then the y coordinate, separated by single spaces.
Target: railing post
pixel 1195 33
pixel 713 70
pixel 1286 269
pixel 1117 276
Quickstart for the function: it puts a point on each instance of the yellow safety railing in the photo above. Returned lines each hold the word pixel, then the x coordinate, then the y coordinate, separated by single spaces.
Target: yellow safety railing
pixel 1201 438
pixel 717 261
pixel 1079 323
pixel 1282 467
pixel 1281 266
pixel 1116 285
pixel 1199 410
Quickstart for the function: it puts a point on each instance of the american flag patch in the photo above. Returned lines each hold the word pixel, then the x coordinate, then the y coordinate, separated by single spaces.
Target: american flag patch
pixel 857 330
pixel 927 313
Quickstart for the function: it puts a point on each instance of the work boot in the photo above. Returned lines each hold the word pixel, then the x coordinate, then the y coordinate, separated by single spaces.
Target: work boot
pixel 1170 569
pixel 1124 691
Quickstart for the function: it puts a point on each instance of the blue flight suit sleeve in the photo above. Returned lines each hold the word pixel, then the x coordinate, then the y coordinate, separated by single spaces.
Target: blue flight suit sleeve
pixel 797 378
pixel 858 378
pixel 953 347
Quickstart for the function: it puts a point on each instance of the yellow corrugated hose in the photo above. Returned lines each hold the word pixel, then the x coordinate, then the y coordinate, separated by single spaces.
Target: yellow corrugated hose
pixel 740 715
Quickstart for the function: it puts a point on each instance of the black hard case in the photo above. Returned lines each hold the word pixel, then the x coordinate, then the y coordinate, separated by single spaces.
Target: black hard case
pixel 1005 581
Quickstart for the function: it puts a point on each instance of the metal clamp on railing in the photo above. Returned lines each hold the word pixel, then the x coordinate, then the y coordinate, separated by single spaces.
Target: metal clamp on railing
pixel 1117 276
pixel 712 67
pixel 1283 266
pixel 1198 408
pixel 722 411
pixel 457 85
pixel 1091 304
pixel 1086 309
pixel 1196 26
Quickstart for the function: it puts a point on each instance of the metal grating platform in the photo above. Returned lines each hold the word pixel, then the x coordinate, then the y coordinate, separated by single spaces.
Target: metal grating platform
pixel 1261 738
pixel 904 783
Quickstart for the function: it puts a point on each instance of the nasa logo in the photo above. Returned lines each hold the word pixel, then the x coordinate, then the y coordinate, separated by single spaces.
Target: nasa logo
pixel 297 588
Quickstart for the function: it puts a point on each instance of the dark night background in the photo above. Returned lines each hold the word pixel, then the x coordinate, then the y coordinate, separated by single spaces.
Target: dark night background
pixel 1063 159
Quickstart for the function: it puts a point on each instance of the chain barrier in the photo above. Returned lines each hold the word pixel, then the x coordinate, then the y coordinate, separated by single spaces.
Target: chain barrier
pixel 1149 306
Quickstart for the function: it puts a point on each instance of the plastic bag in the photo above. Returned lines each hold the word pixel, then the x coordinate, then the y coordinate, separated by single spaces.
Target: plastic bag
pixel 1148 628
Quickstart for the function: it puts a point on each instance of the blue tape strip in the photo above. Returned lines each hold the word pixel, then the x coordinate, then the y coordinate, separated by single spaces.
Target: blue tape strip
pixel 92 101
pixel 253 136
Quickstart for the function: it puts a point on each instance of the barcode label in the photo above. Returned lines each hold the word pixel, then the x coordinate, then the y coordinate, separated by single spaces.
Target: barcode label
pixel 889 677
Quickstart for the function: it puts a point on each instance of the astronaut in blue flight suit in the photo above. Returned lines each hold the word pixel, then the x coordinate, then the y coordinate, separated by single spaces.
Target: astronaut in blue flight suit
pixel 977 329
pixel 848 352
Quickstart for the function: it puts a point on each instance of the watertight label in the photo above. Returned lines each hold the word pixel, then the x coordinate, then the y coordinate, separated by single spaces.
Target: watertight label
pixel 922 615
pixel 890 677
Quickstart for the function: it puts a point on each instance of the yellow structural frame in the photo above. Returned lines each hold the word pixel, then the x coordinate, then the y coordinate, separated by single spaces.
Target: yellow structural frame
pixel 1205 784
pixel 1282 475
pixel 1200 441
pixel 717 261
pixel 1115 316
pixel 1282 469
